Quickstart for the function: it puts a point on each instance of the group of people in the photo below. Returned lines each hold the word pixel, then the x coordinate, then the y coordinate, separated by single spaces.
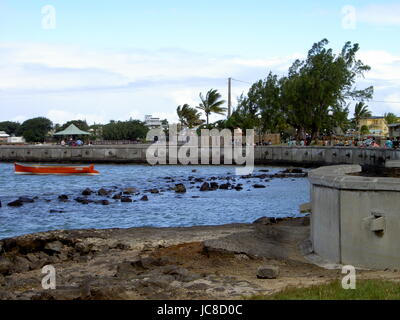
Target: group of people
pixel 73 143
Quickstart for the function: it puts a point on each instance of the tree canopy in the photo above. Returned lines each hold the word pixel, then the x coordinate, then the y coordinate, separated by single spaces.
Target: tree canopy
pixel 36 129
pixel 211 103
pixel 188 116
pixel 10 127
pixel 125 130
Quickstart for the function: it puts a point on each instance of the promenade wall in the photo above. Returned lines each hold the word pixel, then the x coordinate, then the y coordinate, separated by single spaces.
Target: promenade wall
pixel 302 156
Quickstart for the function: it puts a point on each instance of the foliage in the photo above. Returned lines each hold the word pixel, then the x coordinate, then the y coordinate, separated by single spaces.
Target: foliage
pixel 211 103
pixel 10 127
pixel 365 290
pixel 390 118
pixel 36 129
pixel 125 130
pixel 364 130
pixel 360 111
pixel 188 116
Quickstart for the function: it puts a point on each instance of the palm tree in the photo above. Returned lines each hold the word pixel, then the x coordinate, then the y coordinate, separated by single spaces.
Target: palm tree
pixel 361 111
pixel 188 116
pixel 211 103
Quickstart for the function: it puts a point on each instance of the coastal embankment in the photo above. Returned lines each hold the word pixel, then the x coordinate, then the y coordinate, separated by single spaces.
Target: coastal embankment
pixel 263 155
pixel 210 262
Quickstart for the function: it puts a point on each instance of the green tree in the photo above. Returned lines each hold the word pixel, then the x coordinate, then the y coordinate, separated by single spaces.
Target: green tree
pixel 125 130
pixel 211 103
pixel 360 111
pixel 10 127
pixel 320 83
pixel 364 130
pixel 390 118
pixel 36 129
pixel 188 116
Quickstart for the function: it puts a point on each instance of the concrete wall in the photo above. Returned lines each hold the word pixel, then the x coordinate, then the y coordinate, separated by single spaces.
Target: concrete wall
pixel 348 213
pixel 137 154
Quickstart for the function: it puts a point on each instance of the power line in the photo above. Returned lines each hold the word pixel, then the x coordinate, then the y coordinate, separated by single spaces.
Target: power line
pixel 240 81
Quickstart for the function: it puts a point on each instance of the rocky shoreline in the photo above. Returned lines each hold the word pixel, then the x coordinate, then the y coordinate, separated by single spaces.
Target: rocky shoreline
pixel 214 262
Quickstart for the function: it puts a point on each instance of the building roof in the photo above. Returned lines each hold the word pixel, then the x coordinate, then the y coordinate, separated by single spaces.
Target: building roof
pixel 3 134
pixel 368 118
pixel 394 125
pixel 72 130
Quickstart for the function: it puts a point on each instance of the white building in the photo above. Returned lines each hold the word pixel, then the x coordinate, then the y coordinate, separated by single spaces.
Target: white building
pixel 152 122
pixel 4 136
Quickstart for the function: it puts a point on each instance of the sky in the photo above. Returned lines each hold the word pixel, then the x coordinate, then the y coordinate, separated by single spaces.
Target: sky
pixel 101 60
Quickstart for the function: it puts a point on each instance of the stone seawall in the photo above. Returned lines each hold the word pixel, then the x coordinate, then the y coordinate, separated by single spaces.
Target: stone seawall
pixel 137 154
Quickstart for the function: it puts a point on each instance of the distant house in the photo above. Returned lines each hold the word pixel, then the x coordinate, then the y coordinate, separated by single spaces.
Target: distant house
pixel 4 136
pixel 394 130
pixel 16 140
pixel 151 122
pixel 377 125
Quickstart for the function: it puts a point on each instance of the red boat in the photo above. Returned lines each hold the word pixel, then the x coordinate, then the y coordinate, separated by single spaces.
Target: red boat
pixel 55 169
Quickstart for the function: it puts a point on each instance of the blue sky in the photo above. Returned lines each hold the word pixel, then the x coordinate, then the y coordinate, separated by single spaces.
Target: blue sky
pixel 119 59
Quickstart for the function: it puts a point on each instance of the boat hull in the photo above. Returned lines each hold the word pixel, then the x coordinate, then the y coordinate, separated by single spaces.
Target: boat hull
pixel 60 170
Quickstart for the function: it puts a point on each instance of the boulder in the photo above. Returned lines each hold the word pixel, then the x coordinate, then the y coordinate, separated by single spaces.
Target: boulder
pixel 180 188
pixel 63 198
pixel 103 192
pixel 5 266
pixel 56 211
pixel 126 199
pixel 259 186
pixel 144 198
pixel 268 272
pixel 238 187
pixel 154 191
pixel 26 200
pixel 82 200
pixel 205 187
pixel 130 191
pixel 224 186
pixel 214 186
pixel 15 203
pixel 117 196
pixel 87 192
pixel 54 246
pixel 20 264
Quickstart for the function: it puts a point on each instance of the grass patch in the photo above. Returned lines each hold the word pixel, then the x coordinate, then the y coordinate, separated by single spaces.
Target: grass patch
pixel 365 290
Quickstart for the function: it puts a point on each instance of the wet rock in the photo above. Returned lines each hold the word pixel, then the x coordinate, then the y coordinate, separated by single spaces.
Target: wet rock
pixel 259 186
pixel 5 266
pixel 26 200
pixel 225 186
pixel 238 187
pixel 103 202
pixel 144 198
pixel 194 170
pixel 117 196
pixel 130 191
pixel 82 200
pixel 205 187
pixel 126 199
pixel 214 186
pixel 263 220
pixel 293 170
pixel 15 203
pixel 0 204
pixel 154 191
pixel 195 197
pixel 180 188
pixel 264 170
pixel 103 192
pixel 56 211
pixel 63 198
pixel 199 180
pixel 267 272
pixel 55 246
pixel 87 192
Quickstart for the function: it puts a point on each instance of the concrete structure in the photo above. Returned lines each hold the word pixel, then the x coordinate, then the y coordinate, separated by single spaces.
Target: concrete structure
pixel 377 126
pixel 136 153
pixel 394 130
pixel 355 220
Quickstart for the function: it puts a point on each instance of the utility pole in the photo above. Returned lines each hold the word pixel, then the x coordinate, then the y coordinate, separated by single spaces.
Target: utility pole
pixel 229 97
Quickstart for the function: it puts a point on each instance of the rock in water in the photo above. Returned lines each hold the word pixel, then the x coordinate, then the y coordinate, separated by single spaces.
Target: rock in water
pixel 87 192
pixel 130 190
pixel 180 188
pixel 267 272
pixel 103 192
pixel 16 203
pixel 63 198
pixel 144 198
pixel 26 200
pixel 205 186
pixel 259 186
pixel 126 199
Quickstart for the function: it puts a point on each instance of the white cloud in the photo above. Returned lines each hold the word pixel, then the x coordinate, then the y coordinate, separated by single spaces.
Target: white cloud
pixel 380 14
